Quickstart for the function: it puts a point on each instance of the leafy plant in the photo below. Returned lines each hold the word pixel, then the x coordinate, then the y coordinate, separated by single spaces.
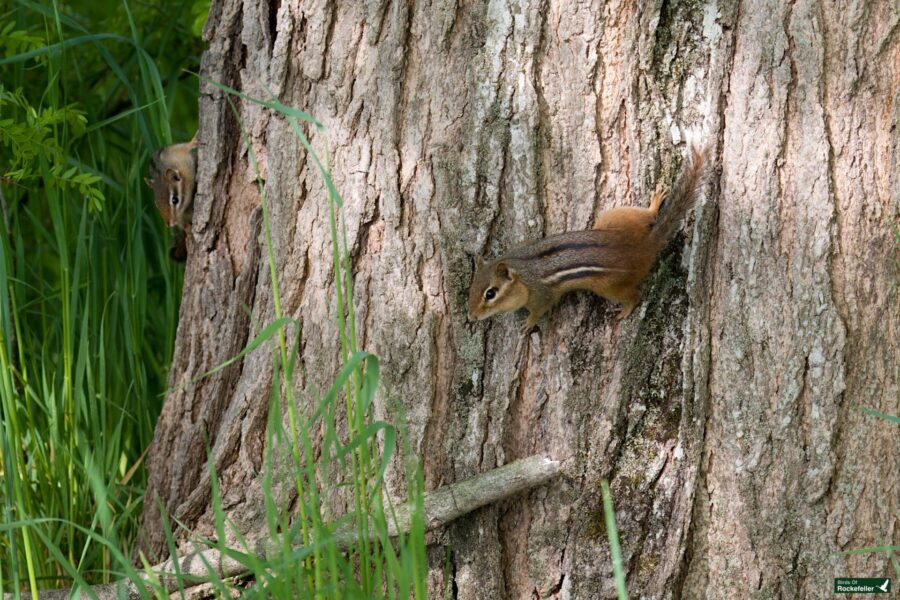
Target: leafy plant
pixel 88 297
pixel 29 135
pixel 88 308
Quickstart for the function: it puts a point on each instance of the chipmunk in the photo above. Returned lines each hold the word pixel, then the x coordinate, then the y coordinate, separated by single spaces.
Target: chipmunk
pixel 610 260
pixel 172 178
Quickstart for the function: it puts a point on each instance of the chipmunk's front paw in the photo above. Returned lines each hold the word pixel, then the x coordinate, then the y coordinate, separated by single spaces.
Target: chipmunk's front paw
pixel 529 326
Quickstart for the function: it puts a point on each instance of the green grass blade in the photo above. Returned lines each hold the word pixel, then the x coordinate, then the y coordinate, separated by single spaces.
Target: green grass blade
pixel 615 550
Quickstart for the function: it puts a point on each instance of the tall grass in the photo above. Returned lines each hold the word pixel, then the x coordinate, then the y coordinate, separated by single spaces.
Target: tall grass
pixel 88 298
pixel 311 553
pixel 612 534
pixel 88 308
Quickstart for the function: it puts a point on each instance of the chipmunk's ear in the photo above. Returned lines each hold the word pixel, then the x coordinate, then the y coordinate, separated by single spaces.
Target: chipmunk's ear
pixel 172 175
pixel 148 182
pixel 503 270
pixel 479 262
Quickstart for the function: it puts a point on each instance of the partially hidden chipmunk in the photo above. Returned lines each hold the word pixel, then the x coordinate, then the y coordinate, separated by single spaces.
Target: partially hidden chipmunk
pixel 172 178
pixel 610 260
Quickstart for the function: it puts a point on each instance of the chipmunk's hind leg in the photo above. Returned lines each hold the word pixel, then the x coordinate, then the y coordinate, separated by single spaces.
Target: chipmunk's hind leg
pixel 624 293
pixel 628 300
pixel 627 295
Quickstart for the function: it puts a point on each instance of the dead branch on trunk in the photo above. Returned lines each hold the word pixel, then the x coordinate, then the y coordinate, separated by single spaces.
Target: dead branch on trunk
pixel 441 506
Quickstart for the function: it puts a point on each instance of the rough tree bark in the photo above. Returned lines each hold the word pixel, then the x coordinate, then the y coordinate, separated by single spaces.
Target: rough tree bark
pixel 723 411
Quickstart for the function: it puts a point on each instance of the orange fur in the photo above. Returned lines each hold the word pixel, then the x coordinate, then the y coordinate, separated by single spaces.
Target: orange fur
pixel 609 260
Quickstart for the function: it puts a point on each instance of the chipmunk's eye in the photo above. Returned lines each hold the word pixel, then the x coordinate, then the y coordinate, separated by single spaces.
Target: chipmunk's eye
pixel 490 294
pixel 173 197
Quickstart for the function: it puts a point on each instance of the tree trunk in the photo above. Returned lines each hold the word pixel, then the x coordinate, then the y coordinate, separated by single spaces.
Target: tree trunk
pixel 723 411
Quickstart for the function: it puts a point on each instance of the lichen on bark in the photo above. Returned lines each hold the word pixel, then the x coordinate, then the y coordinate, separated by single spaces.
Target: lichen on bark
pixel 721 410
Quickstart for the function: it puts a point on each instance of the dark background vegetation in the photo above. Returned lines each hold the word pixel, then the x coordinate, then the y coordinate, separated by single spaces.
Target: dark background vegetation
pixel 88 297
pixel 89 304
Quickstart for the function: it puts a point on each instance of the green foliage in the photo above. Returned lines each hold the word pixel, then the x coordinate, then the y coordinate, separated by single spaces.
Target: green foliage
pixel 88 309
pixel 30 140
pixel 879 414
pixel 199 10
pixel 891 551
pixel 615 551
pixel 88 297
pixel 14 41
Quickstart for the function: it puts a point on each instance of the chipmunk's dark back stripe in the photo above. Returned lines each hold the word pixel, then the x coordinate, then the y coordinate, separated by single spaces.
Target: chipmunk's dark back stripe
pixel 565 247
pixel 557 244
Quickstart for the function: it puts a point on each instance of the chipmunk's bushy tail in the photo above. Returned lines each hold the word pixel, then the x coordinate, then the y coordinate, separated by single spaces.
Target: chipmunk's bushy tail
pixel 681 198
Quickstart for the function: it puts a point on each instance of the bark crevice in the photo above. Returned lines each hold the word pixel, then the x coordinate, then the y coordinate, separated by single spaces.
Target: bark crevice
pixel 721 410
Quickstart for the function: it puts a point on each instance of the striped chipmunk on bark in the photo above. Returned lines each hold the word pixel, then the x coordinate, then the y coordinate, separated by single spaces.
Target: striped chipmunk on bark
pixel 610 260
pixel 172 178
